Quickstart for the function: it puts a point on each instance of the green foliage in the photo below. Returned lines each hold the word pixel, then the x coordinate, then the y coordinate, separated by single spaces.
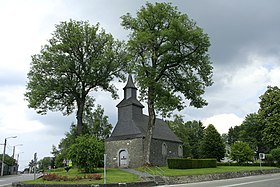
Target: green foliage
pixel 241 152
pixel 113 175
pixel 170 60
pixel 270 116
pixel 97 124
pixel 190 133
pixel 247 164
pixel 45 163
pixel 87 153
pixel 276 155
pixel 170 55
pixel 78 59
pixel 182 163
pixel 8 160
pixel 251 132
pixel 233 134
pixel 212 144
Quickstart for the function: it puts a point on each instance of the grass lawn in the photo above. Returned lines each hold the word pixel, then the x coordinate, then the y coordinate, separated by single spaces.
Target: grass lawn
pixel 202 171
pixel 114 175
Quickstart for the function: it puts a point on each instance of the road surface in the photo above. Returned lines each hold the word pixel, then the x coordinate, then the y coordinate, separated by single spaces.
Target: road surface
pixel 7 180
pixel 269 180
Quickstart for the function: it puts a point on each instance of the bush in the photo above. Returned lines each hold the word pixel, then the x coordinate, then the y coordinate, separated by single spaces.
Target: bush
pixel 183 163
pixel 87 153
pixel 276 155
pixel 245 164
pixel 93 176
pixel 241 152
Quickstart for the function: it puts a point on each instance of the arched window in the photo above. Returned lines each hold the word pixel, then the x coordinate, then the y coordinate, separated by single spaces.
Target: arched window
pixel 180 151
pixel 164 149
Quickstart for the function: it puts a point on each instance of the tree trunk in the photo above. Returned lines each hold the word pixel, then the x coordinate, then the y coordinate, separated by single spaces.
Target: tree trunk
pixel 151 125
pixel 79 116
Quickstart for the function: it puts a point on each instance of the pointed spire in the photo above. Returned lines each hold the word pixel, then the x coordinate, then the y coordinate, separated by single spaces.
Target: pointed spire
pixel 130 90
pixel 129 83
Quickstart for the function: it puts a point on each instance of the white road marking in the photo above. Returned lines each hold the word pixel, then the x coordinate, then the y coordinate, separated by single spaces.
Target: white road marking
pixel 244 183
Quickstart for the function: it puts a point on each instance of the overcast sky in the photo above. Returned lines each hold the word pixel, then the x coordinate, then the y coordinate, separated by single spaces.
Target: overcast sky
pixel 245 51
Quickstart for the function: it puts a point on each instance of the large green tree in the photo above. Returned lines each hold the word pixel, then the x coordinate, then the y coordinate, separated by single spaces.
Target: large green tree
pixel 179 128
pixel 78 59
pixel 190 133
pixel 270 116
pixel 212 144
pixel 171 60
pixel 251 132
pixel 45 163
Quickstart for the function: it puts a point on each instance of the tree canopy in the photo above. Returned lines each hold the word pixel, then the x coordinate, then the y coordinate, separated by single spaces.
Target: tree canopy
pixel 78 59
pixel 170 60
pixel 212 144
pixel 251 132
pixel 270 116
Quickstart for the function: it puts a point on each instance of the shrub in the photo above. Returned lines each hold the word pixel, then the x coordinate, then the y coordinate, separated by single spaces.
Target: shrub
pixel 93 176
pixel 87 153
pixel 241 152
pixel 183 163
pixel 55 177
pixel 276 155
pixel 245 164
pixel 52 177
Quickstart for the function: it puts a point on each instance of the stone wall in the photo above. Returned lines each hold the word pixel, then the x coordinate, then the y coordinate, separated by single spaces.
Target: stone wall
pixel 217 176
pixel 134 147
pixel 157 156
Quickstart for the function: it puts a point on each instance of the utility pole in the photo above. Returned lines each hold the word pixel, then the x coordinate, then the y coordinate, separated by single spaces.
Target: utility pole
pixel 4 152
pixel 14 148
pixel 3 157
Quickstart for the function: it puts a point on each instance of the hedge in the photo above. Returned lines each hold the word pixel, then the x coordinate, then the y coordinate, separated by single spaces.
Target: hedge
pixel 246 164
pixel 184 163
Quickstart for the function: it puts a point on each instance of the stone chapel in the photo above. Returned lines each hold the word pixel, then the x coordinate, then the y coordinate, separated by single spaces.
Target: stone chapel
pixel 125 146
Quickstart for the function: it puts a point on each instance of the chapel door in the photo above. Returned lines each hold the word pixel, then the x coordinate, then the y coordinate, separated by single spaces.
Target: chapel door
pixel 123 159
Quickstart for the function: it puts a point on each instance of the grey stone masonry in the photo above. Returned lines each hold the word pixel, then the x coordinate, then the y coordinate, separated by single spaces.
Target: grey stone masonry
pixel 159 158
pixel 134 148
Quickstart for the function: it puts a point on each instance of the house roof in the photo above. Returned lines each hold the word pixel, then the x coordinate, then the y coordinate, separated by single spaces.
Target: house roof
pixel 137 128
pixel 130 101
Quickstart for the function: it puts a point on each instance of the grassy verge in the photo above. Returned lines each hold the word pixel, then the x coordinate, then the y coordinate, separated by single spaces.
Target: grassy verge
pixel 113 175
pixel 202 171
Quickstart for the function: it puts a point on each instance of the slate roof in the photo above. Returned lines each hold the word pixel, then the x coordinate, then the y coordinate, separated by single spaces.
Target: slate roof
pixel 130 101
pixel 137 128
pixel 129 83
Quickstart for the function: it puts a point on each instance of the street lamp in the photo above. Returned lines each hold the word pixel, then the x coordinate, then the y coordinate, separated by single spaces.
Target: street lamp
pixel 5 143
pixel 14 147
pixel 18 156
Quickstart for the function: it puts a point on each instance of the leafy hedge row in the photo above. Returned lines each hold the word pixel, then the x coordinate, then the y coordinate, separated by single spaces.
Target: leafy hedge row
pixel 246 164
pixel 184 163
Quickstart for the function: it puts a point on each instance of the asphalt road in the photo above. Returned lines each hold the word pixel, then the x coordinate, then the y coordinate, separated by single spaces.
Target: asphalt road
pixel 269 180
pixel 7 180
